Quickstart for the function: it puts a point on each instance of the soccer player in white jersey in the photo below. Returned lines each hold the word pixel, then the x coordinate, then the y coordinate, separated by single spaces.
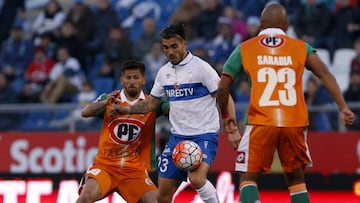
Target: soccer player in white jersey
pixel 190 84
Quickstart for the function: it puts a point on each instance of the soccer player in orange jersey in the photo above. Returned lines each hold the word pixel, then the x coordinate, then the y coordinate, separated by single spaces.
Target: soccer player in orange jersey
pixel 277 115
pixel 126 149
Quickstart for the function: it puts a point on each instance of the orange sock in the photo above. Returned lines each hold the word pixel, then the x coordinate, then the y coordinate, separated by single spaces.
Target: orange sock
pixel 299 193
pixel 247 183
pixel 297 188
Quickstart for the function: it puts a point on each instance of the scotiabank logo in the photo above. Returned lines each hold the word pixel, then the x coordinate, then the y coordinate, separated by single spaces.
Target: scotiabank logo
pixel 67 155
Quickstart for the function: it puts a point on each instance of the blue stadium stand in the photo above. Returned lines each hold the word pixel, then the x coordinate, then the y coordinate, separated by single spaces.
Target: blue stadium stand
pixel 36 121
pixel 17 85
pixel 103 85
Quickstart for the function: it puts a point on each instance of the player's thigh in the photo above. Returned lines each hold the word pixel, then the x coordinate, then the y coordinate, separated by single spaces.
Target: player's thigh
pixel 198 176
pixel 293 148
pixel 102 177
pixel 166 166
pixel 91 190
pixel 256 149
pixel 208 145
pixel 149 197
pixel 133 185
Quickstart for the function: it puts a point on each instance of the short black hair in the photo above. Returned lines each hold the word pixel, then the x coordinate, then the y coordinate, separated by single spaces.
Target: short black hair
pixel 173 30
pixel 133 64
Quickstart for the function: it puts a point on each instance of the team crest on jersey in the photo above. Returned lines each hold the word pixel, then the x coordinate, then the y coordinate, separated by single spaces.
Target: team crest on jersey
pixel 272 41
pixel 125 131
pixel 240 158
pixel 177 85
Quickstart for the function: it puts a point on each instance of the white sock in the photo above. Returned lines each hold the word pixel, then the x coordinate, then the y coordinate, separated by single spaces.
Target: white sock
pixel 208 193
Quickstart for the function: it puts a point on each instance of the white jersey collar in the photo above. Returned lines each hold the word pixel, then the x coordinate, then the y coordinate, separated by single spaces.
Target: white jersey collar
pixel 125 99
pixel 272 31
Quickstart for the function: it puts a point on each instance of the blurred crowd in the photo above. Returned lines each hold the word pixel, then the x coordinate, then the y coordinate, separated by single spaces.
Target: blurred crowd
pixel 72 54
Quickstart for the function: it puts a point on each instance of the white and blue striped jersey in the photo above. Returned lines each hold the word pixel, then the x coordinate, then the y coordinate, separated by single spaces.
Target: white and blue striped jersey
pixel 189 87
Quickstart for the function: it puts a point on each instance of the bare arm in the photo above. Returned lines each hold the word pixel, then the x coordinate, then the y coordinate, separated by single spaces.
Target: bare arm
pixel 320 70
pixel 147 105
pixel 230 124
pixel 228 111
pixel 92 109
pixel 223 92
pixel 315 64
pixel 231 117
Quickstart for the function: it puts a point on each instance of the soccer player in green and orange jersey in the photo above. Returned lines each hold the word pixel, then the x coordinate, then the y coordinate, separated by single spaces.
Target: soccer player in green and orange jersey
pixel 277 115
pixel 126 145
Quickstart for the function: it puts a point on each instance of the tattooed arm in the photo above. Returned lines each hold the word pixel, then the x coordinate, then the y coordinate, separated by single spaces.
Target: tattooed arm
pixel 92 109
pixel 149 104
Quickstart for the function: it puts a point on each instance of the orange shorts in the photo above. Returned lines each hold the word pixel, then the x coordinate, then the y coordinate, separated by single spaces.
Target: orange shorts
pixel 130 183
pixel 257 147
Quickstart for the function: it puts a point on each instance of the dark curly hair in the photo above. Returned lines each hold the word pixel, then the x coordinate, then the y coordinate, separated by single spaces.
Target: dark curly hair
pixel 173 30
pixel 133 64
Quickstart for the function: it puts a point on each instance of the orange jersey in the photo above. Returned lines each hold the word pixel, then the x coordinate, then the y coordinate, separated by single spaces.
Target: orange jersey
pixel 275 64
pixel 127 141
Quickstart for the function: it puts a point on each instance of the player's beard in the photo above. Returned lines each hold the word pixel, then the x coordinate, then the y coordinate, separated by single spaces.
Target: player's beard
pixel 174 60
pixel 132 92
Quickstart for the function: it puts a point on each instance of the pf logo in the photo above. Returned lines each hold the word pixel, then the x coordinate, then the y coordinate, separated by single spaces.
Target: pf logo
pixel 125 131
pixel 240 158
pixel 272 41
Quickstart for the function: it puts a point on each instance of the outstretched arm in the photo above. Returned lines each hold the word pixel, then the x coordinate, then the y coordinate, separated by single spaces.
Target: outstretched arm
pixel 147 105
pixel 92 109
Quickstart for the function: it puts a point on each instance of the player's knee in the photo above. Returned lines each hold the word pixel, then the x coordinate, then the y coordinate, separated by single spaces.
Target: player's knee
pixel 164 198
pixel 154 200
pixel 82 199
pixel 197 181
pixel 85 197
pixel 149 197
pixel 295 177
